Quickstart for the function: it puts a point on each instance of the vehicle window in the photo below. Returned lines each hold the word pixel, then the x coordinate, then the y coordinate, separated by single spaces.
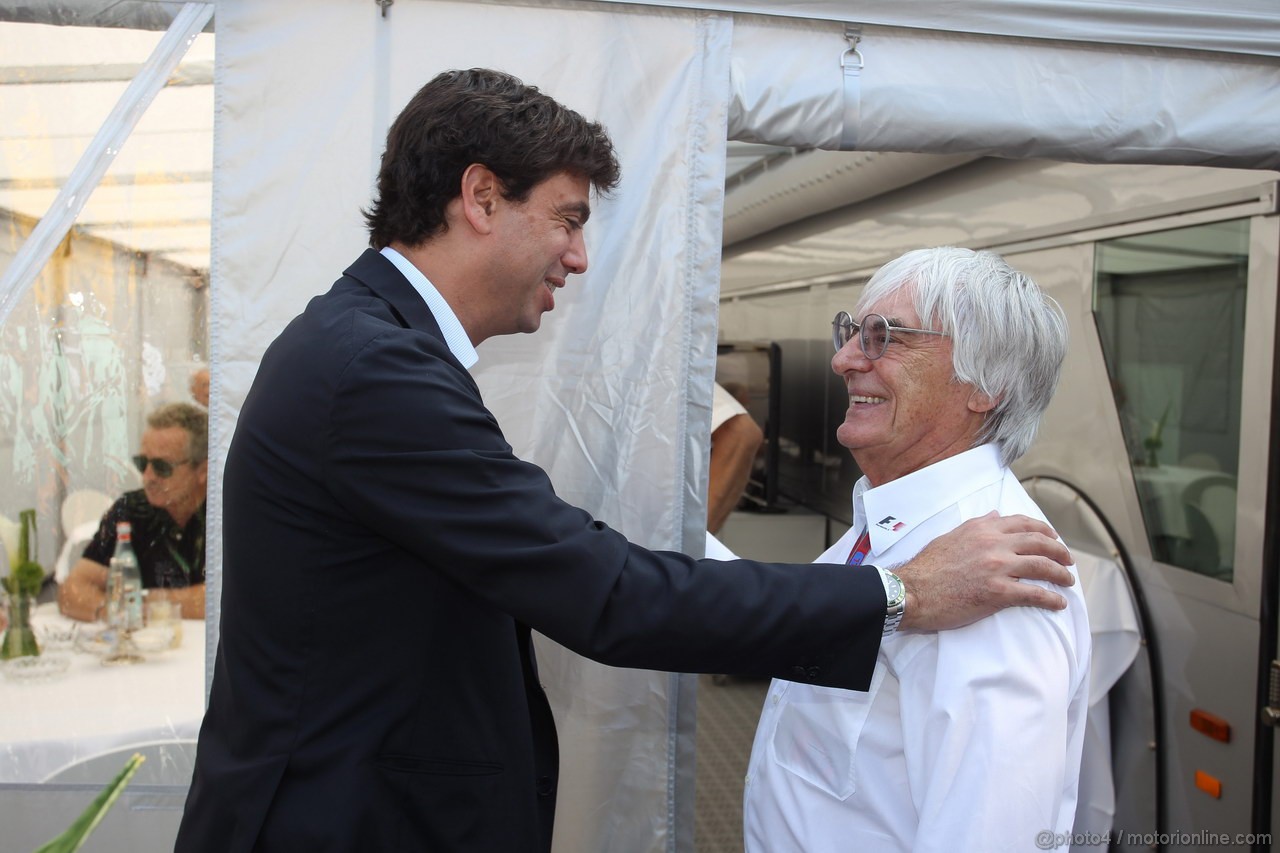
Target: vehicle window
pixel 1170 312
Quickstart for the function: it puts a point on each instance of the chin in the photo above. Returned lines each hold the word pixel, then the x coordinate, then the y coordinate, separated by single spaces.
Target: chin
pixel 529 325
pixel 847 439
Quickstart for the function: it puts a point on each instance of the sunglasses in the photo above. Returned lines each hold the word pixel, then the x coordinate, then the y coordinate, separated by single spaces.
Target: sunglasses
pixel 162 467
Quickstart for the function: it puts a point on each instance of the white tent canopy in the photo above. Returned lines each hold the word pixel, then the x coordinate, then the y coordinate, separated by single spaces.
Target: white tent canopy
pixel 613 396
pixel 951 93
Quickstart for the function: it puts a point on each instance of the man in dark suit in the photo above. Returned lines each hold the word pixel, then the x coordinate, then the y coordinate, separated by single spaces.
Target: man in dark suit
pixel 386 554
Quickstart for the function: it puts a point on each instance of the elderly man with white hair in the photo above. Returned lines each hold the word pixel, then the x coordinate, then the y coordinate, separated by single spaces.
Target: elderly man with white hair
pixel 970 739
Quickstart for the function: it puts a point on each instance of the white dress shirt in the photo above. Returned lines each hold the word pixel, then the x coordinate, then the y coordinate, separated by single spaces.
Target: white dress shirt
pixel 968 740
pixel 455 337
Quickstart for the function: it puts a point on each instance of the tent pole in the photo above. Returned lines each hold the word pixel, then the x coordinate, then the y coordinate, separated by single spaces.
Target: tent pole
pixel 98 157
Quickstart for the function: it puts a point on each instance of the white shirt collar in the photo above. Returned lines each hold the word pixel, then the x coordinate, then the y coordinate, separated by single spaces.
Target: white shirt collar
pixel 893 510
pixel 454 335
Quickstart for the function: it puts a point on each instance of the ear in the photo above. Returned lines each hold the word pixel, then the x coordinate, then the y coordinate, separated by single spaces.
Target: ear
pixel 982 402
pixel 481 191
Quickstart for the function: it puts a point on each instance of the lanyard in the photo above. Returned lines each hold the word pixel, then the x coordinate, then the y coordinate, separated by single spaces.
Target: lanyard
pixel 860 549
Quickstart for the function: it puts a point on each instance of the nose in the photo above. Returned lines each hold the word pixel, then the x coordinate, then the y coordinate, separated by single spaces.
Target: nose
pixel 575 257
pixel 850 357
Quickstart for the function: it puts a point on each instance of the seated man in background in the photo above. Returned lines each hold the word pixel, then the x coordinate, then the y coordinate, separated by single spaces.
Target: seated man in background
pixel 970 739
pixel 735 438
pixel 167 515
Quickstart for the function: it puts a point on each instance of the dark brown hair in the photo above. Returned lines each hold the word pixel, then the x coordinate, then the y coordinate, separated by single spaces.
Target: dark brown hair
pixel 486 117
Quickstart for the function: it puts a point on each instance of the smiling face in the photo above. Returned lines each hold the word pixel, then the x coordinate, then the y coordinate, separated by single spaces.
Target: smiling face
pixel 181 493
pixel 539 243
pixel 905 409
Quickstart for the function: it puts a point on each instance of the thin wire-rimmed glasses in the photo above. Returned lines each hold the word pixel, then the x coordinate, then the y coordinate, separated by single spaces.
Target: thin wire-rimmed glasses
pixel 874 333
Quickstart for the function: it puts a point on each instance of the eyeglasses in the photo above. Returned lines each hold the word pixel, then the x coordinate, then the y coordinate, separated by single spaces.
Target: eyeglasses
pixel 874 333
pixel 162 467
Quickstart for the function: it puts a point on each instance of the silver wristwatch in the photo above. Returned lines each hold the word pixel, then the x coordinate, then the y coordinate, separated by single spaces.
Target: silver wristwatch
pixel 895 594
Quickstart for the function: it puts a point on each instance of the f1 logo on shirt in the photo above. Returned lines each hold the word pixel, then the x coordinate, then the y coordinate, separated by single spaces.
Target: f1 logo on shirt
pixel 891 524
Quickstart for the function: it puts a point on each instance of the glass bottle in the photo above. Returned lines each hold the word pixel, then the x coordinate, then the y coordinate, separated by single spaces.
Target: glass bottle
pixel 127 594
pixel 124 599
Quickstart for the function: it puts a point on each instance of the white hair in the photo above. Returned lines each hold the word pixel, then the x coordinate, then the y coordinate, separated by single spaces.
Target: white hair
pixel 1008 337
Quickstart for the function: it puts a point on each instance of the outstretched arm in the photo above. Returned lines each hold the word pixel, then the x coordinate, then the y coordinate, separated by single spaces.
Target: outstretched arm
pixel 973 571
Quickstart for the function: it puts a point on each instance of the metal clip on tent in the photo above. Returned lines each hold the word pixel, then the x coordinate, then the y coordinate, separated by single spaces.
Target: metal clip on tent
pixel 852 32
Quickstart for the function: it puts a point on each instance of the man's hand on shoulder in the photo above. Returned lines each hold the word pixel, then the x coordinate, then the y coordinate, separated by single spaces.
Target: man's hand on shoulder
pixel 973 571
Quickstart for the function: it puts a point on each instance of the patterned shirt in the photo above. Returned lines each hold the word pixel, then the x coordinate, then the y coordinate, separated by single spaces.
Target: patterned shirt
pixel 168 555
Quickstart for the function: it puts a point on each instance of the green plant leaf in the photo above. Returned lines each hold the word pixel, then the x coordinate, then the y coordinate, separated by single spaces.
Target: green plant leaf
pixel 28 520
pixel 74 837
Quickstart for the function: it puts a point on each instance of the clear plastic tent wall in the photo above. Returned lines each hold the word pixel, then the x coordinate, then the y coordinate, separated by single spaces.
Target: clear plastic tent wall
pixel 91 336
pixel 611 397
pixel 99 324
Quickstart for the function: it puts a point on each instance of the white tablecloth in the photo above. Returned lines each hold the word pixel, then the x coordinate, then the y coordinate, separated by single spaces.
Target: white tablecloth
pixel 92 709
pixel 1164 491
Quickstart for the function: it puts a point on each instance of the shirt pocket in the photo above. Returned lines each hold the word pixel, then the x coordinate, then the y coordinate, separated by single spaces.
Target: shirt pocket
pixel 817 734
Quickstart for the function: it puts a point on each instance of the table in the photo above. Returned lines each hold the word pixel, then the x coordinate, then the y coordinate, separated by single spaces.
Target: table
pixel 48 727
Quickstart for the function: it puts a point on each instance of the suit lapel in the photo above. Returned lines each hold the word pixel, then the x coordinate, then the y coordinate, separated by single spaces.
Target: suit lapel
pixel 378 274
pixel 375 272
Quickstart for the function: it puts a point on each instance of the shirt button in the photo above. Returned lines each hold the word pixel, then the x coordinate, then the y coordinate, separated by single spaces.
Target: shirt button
pixel 777 697
pixel 746 780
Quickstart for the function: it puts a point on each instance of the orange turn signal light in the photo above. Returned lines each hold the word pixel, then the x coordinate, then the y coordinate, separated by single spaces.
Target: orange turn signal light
pixel 1211 785
pixel 1211 725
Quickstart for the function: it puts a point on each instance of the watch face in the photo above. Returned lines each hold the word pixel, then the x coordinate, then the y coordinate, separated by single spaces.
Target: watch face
pixel 895 591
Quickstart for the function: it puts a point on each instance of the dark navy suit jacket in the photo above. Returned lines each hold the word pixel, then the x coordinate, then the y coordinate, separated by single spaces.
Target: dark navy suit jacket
pixel 385 557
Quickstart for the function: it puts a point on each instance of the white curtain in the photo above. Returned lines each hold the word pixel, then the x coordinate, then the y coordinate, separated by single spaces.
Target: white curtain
pixel 612 397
